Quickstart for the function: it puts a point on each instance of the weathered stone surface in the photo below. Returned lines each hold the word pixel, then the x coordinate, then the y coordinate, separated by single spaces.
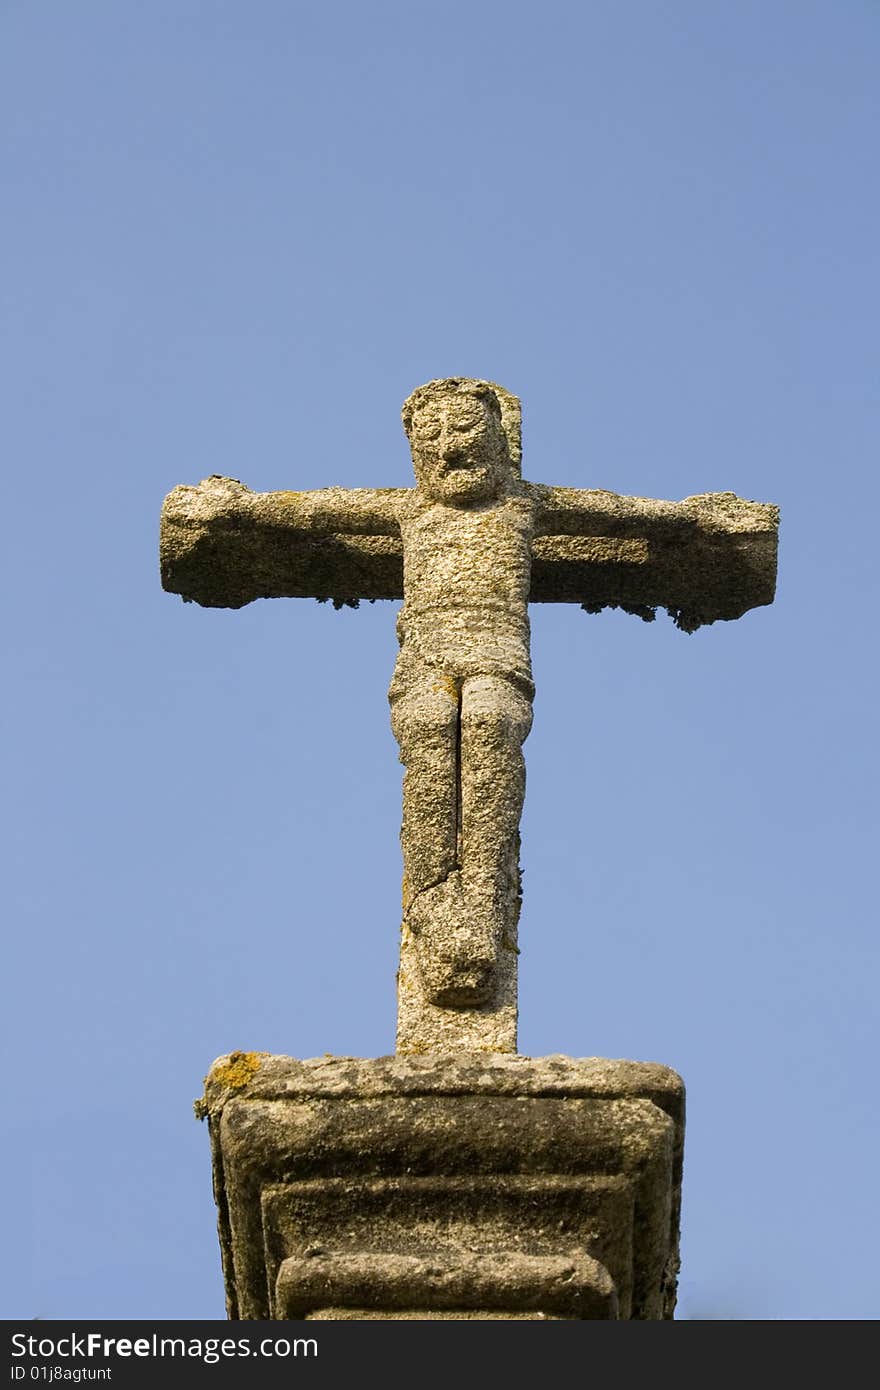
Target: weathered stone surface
pixel 467 548
pixel 457 1180
pixel 423 1314
pixel 461 702
pixel 460 1186
pixel 573 1285
pixel 708 558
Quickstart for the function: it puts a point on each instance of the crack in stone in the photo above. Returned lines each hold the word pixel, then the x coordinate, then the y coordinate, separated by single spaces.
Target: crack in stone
pixel 429 888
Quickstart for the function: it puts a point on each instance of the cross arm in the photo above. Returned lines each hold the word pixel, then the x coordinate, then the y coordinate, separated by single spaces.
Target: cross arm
pixel 708 557
pixel 222 545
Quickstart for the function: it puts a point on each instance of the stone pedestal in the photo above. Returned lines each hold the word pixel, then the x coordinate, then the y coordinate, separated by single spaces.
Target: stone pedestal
pixel 468 1186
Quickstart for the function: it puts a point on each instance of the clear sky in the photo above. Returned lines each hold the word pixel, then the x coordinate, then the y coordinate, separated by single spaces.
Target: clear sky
pixel 235 237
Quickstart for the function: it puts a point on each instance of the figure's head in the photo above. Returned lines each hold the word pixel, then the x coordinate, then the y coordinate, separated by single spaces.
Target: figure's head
pixel 459 446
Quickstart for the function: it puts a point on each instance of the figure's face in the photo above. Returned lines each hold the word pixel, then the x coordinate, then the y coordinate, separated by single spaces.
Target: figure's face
pixel 458 450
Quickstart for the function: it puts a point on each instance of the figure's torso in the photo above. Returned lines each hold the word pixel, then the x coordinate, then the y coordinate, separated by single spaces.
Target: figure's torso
pixel 466 581
pixel 460 557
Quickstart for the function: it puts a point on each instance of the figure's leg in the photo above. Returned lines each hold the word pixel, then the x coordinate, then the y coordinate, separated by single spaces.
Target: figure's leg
pixel 496 718
pixel 425 722
pixel 455 952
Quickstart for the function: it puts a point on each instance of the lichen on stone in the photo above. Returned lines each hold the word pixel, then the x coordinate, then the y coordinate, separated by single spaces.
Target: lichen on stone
pixel 229 1073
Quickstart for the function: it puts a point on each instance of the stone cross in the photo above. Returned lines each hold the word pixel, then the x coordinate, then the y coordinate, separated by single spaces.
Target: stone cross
pixel 466 549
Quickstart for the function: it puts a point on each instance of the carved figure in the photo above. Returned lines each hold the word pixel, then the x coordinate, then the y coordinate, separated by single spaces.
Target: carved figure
pixel 467 548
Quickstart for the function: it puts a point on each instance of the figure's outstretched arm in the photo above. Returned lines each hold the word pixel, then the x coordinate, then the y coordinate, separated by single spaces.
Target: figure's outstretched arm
pixel 708 557
pixel 594 512
pixel 222 545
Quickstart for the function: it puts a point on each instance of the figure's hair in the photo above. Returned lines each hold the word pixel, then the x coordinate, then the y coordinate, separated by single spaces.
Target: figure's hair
pixel 502 404
pixel 450 386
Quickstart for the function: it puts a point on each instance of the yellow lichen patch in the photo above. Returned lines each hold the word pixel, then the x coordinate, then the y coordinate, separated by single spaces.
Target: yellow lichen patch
pixel 237 1069
pixel 449 686
pixel 229 1074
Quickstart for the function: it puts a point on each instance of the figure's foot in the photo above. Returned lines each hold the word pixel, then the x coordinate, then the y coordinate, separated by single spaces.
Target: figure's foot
pixel 456 945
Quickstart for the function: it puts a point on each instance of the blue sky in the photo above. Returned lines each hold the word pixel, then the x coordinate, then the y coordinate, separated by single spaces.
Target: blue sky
pixel 236 237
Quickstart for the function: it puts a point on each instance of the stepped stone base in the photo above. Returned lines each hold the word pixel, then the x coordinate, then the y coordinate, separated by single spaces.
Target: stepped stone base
pixel 475 1186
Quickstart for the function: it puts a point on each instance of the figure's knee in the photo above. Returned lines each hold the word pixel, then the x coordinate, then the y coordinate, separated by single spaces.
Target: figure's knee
pixel 494 708
pixel 426 712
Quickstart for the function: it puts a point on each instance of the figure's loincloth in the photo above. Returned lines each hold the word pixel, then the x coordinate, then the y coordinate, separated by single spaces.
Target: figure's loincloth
pixel 457 643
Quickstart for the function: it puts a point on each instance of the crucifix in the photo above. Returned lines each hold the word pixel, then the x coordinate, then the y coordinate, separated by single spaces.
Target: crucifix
pixel 466 549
